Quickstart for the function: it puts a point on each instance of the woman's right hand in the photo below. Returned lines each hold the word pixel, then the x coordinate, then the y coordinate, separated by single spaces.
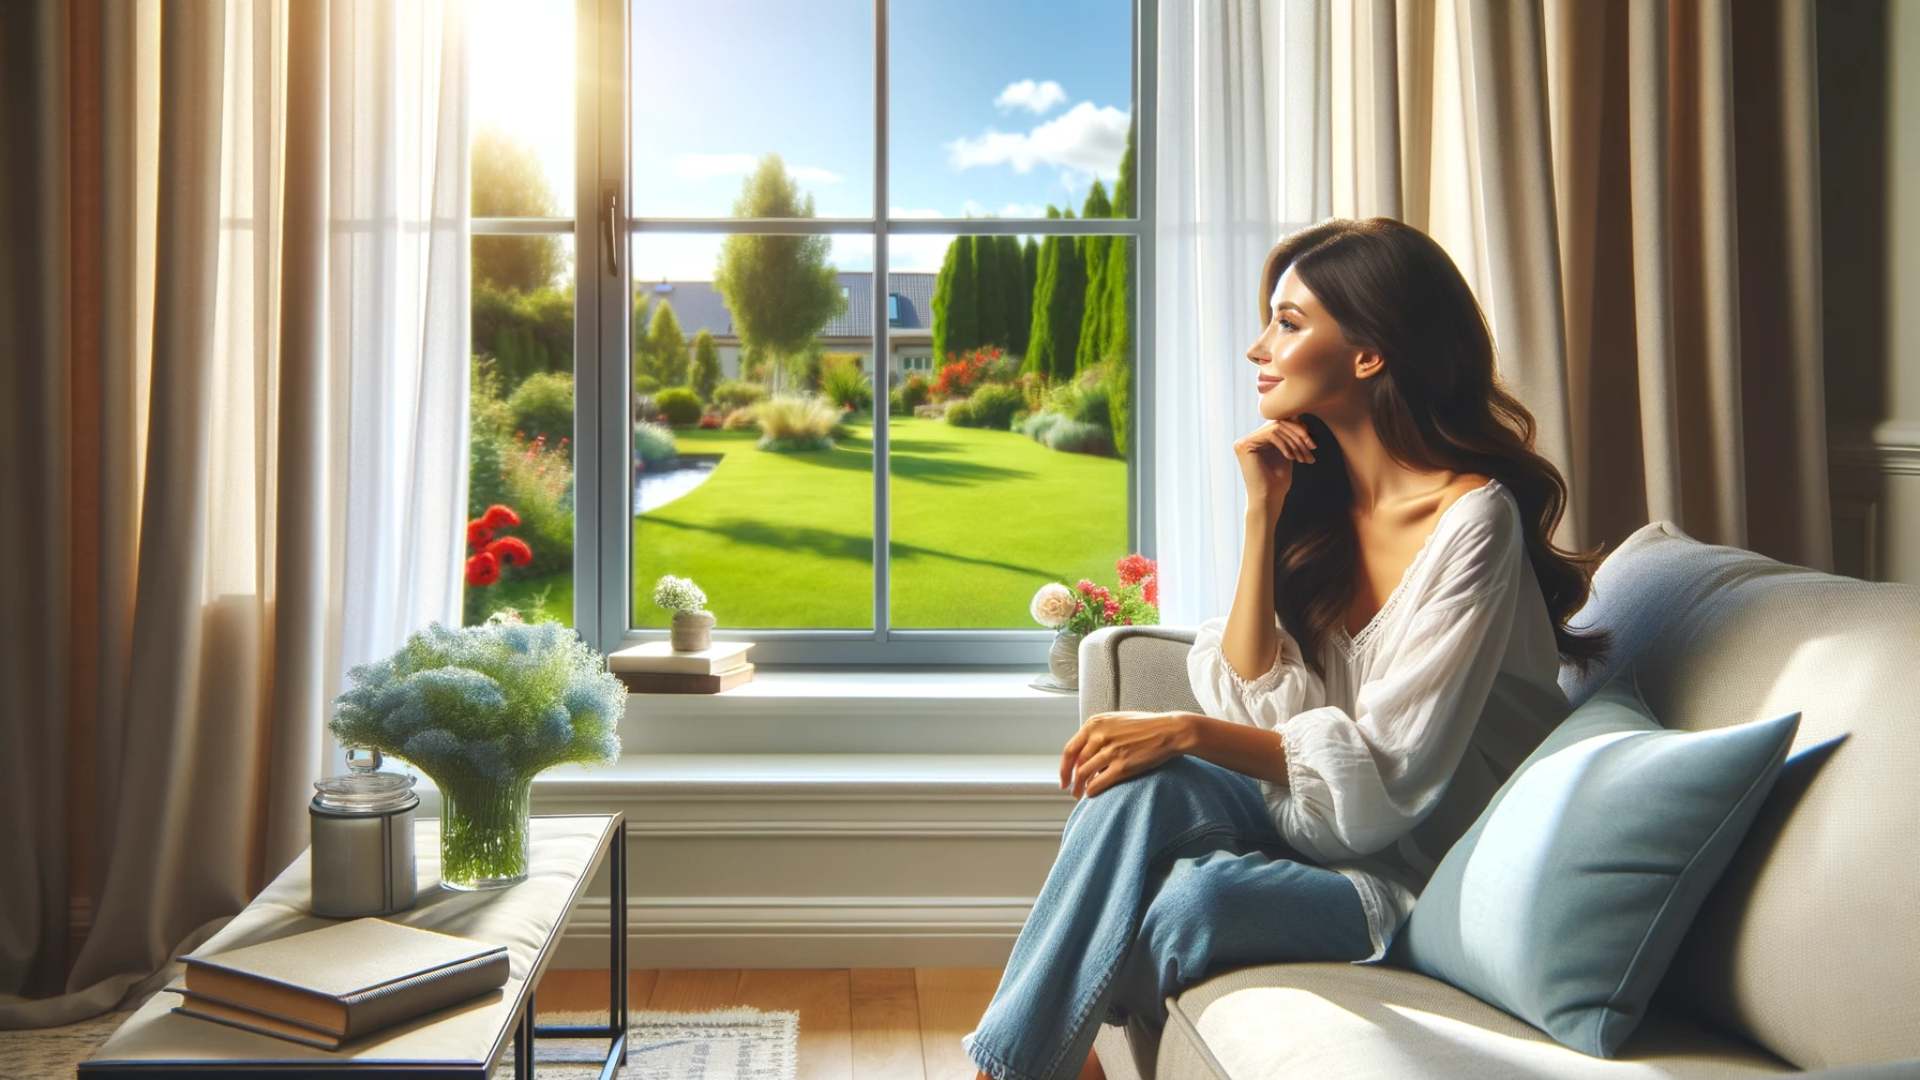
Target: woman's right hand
pixel 1267 457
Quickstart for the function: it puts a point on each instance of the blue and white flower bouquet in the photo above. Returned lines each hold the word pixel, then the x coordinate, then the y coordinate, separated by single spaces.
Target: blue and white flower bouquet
pixel 481 710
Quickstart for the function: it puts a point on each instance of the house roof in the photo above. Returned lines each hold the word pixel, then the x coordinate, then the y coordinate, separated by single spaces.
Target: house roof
pixel 699 306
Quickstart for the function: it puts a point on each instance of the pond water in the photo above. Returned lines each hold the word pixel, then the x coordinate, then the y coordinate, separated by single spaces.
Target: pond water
pixel 662 482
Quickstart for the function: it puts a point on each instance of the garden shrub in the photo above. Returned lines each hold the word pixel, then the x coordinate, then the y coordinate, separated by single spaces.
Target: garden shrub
pixel 740 419
pixel 991 406
pixel 646 384
pixel 538 477
pixel 681 405
pixel 914 392
pixel 843 383
pixel 738 394
pixel 653 442
pixel 1076 436
pixel 791 422
pixel 543 405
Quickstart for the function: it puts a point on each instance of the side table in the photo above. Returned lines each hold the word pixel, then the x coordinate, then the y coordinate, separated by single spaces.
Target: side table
pixel 465 1042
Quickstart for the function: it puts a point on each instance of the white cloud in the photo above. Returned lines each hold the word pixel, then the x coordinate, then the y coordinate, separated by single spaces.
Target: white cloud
pixel 690 166
pixel 1034 97
pixel 1085 138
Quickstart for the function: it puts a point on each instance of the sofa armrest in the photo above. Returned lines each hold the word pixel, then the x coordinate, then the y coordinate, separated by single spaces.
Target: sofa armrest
pixel 1136 667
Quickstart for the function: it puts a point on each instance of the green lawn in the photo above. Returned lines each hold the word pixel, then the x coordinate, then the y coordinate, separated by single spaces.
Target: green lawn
pixel 980 520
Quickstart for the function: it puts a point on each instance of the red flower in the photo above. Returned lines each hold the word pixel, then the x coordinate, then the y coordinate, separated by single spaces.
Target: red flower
pixel 478 534
pixel 1151 592
pixel 1112 609
pixel 511 550
pixel 497 516
pixel 1134 568
pixel 483 569
pixel 1086 587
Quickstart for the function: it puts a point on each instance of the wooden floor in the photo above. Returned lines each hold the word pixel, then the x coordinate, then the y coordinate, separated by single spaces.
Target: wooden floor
pixel 863 1024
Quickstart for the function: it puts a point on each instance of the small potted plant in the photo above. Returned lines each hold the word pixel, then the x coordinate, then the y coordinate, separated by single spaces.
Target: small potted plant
pixel 482 710
pixel 1087 607
pixel 692 622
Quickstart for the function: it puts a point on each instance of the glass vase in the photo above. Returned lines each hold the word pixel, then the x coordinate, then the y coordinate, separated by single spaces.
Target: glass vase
pixel 483 831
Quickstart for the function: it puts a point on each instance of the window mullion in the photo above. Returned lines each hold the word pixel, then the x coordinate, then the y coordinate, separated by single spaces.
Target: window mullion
pixel 602 293
pixel 882 360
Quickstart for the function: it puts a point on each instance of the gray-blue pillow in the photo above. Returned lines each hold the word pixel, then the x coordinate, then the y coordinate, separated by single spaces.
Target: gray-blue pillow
pixel 1566 900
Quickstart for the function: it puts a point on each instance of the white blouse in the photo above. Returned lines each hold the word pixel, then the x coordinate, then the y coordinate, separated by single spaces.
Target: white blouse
pixel 1418 719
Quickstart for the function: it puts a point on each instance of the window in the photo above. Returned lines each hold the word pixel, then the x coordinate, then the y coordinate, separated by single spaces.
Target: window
pixel 849 483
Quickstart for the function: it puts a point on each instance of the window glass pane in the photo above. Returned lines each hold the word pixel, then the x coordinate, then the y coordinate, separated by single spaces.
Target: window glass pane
pixel 1003 108
pixel 752 438
pixel 1009 459
pixel 521 89
pixel 720 85
pixel 521 443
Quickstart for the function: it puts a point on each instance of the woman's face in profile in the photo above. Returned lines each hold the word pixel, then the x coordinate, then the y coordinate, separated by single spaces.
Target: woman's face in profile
pixel 1305 362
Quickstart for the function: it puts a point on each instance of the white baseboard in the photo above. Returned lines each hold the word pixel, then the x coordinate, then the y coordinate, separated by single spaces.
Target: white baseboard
pixel 800 932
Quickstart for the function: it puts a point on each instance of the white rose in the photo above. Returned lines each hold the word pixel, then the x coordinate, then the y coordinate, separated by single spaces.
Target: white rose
pixel 1053 605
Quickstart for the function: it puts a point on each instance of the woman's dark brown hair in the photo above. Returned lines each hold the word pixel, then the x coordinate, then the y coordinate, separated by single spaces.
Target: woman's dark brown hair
pixel 1436 404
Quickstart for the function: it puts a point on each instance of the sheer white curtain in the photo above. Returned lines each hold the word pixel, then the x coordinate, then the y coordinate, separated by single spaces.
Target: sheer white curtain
pixel 261 229
pixel 1244 127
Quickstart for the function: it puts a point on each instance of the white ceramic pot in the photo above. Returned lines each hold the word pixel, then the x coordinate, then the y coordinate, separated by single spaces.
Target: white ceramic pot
pixel 1063 659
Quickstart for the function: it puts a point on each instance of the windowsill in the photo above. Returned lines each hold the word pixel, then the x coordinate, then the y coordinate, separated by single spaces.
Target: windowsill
pixel 862 711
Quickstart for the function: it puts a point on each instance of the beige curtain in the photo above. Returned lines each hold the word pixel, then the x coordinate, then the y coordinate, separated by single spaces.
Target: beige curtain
pixel 223 273
pixel 1631 188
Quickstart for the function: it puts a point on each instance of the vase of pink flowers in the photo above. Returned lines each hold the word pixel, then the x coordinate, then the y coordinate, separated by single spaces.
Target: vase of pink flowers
pixel 1075 612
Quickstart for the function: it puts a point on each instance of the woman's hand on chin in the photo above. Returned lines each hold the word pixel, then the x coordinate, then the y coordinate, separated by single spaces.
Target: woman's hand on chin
pixel 1267 457
pixel 1113 746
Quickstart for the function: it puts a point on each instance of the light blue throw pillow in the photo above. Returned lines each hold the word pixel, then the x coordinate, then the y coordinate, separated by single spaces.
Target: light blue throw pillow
pixel 1566 900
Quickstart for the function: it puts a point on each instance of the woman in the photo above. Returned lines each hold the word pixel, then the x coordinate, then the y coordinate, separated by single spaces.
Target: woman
pixel 1391 655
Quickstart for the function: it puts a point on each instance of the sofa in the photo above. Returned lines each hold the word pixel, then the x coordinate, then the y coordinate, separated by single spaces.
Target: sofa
pixel 1804 959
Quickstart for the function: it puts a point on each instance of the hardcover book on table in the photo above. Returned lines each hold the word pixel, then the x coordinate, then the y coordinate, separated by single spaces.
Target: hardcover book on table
pixel 658 657
pixel 656 682
pixel 331 985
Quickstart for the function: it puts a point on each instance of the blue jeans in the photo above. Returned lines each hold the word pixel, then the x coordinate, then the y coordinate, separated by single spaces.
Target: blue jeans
pixel 1162 880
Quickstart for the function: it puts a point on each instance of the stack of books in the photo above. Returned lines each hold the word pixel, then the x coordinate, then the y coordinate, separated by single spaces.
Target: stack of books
pixel 654 668
pixel 329 986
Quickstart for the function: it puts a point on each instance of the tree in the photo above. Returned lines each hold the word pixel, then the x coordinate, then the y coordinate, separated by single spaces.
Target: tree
pixel 1059 303
pixel 509 182
pixel 780 289
pixel 1029 280
pixel 1014 294
pixel 668 344
pixel 1040 342
pixel 958 318
pixel 705 373
pixel 1094 308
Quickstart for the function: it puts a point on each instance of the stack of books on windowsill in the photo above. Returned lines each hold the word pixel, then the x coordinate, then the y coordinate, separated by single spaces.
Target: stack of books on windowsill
pixel 654 668
pixel 332 985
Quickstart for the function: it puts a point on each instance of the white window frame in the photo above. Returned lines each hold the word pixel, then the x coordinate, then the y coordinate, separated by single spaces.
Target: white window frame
pixel 603 228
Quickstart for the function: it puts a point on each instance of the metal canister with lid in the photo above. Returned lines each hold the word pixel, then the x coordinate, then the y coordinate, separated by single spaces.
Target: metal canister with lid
pixel 363 840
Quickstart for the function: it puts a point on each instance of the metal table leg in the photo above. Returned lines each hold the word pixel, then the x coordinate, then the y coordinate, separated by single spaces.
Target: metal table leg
pixel 616 1029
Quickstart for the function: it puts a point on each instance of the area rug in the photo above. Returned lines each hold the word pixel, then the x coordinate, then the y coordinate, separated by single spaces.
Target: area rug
pixel 730 1044
pixel 733 1044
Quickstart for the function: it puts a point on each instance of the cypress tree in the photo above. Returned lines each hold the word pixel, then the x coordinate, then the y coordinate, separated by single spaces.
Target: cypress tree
pixel 1040 343
pixel 1016 311
pixel 705 373
pixel 943 302
pixel 963 299
pixel 1093 319
pixel 1029 279
pixel 668 345
pixel 1066 305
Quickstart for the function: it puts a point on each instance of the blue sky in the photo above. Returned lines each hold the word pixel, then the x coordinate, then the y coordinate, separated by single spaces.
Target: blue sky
pixel 998 107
